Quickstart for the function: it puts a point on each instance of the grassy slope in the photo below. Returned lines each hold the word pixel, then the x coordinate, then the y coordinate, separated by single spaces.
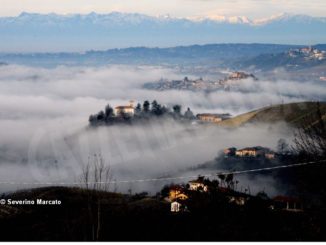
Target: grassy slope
pixel 293 113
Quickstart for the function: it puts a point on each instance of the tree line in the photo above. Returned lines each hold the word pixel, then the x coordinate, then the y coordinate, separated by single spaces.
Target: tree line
pixel 146 110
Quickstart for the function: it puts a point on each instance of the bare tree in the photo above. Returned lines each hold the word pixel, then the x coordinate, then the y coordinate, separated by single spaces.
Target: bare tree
pixel 310 138
pixel 96 177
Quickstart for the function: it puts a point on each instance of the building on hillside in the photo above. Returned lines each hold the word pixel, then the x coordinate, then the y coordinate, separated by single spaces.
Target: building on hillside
pixel 177 193
pixel 255 152
pixel 270 155
pixel 175 207
pixel 238 198
pixel 198 185
pixel 322 78
pixel 307 50
pixel 128 110
pixel 213 118
pixel 287 204
pixel 235 197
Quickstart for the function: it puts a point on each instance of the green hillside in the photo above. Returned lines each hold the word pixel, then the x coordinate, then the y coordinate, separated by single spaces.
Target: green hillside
pixel 293 113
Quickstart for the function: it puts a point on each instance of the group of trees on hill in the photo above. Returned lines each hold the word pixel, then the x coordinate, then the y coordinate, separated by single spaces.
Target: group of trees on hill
pixel 146 110
pixel 310 147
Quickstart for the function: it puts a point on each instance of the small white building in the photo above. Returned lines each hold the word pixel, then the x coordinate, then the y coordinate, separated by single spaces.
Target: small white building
pixel 175 207
pixel 128 109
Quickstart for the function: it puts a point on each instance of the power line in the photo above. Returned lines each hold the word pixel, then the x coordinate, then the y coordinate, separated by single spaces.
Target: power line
pixel 167 178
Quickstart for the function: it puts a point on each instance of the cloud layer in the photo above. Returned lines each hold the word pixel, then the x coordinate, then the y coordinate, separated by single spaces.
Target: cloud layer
pixel 44 113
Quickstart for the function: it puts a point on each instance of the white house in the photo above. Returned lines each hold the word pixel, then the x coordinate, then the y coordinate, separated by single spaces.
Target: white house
pixel 128 109
pixel 175 207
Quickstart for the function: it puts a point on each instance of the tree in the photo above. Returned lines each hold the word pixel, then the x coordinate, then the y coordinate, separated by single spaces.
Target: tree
pixel 156 108
pixel 282 146
pixel 138 109
pixel 100 116
pixel 96 177
pixel 146 106
pixel 109 113
pixel 310 146
pixel 310 138
pixel 92 120
pixel 222 178
pixel 188 114
pixel 229 181
pixel 177 110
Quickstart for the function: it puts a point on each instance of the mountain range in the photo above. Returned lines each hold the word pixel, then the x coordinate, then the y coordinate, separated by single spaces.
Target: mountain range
pixel 30 32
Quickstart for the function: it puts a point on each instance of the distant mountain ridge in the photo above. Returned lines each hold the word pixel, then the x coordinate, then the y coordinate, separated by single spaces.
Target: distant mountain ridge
pixel 293 59
pixel 234 56
pixel 75 32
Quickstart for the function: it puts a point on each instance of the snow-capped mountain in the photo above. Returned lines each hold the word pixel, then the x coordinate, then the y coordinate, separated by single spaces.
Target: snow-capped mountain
pixel 77 32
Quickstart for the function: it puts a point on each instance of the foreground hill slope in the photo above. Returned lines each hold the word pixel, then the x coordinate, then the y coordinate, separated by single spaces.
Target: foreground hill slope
pixel 293 113
pixel 142 218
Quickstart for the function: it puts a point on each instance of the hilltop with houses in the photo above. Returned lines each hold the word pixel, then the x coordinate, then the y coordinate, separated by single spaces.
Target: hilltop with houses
pixel 200 84
pixel 308 53
pixel 130 113
pixel 256 151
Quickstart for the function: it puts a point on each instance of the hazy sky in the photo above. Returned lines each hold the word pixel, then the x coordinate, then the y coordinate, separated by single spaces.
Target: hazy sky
pixel 176 8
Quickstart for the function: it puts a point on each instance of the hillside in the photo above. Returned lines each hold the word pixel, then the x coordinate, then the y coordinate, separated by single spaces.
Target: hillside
pixel 292 113
pixel 215 54
pixel 142 218
pixel 293 59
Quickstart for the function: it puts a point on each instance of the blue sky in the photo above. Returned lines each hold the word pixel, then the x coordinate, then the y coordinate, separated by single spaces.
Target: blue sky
pixel 254 9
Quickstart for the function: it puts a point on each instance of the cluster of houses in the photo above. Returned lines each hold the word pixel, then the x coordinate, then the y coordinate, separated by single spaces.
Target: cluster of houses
pixel 212 118
pixel 129 109
pixel 256 151
pixel 308 53
pixel 179 196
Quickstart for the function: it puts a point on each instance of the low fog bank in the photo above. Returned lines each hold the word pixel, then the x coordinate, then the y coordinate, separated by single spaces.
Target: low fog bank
pixel 153 150
pixel 29 92
pixel 44 113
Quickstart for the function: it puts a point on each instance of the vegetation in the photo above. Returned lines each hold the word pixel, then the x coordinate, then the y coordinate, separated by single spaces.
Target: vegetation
pixel 142 112
pixel 142 218
pixel 293 113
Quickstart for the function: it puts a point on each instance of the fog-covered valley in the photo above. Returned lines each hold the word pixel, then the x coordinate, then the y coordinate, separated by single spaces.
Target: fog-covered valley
pixel 45 135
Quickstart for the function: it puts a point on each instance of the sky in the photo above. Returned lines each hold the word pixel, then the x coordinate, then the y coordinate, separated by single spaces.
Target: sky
pixel 254 9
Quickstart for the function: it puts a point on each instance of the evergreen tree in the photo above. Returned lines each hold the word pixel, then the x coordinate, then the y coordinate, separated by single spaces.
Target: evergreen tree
pixel 188 114
pixel 146 106
pixel 156 108
pixel 282 146
pixel 109 113
pixel 177 110
pixel 100 116
pixel 138 109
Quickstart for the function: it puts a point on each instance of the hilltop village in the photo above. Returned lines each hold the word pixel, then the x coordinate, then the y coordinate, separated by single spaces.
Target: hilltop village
pixel 308 53
pixel 200 84
pixel 147 111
